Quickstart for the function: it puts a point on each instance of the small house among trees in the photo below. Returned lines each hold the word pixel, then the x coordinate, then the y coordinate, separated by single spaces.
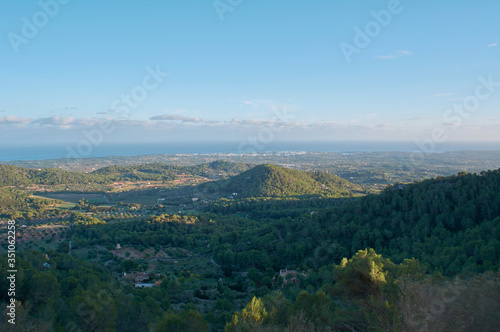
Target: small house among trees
pixel 289 276
pixel 136 277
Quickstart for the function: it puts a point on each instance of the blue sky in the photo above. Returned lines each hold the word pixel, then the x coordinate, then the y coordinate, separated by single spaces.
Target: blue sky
pixel 240 68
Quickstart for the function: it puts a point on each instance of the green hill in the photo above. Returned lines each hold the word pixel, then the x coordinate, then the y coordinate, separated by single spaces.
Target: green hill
pixel 275 181
pixel 19 176
pixel 157 171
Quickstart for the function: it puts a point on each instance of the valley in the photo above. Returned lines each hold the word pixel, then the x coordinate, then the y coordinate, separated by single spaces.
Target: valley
pixel 208 240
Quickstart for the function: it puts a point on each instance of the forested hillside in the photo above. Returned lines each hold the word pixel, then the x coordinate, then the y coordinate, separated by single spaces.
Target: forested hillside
pixel 16 204
pixel 451 223
pixel 159 171
pixel 275 181
pixel 18 176
pixel 379 262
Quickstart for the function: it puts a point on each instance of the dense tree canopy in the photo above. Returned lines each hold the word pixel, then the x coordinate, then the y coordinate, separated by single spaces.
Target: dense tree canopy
pixel 19 176
pixel 275 181
pixel 288 256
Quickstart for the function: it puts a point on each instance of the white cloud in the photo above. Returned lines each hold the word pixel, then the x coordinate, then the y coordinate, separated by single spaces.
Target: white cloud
pixel 173 117
pixel 54 121
pixel 493 45
pixel 418 118
pixel 394 55
pixel 390 56
pixel 191 128
pixel 11 119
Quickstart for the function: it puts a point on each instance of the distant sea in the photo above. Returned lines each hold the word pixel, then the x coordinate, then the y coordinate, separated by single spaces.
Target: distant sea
pixel 33 152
